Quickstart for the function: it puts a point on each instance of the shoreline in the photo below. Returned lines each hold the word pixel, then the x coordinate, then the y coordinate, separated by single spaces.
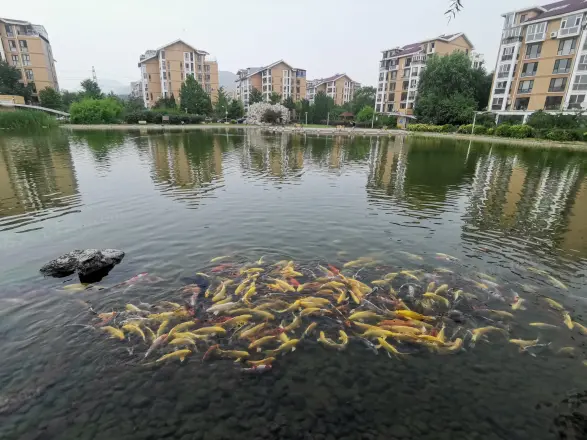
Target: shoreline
pixel 527 142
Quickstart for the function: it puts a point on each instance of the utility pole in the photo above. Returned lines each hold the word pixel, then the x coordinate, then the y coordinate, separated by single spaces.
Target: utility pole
pixel 306 118
pixel 94 76
pixel 474 120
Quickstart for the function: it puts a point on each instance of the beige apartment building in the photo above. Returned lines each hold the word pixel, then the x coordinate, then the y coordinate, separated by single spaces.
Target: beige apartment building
pixel 542 60
pixel 26 47
pixel 339 87
pixel 165 69
pixel 400 69
pixel 278 77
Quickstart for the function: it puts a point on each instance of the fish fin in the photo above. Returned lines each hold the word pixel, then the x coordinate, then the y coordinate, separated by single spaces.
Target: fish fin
pixel 238 360
pixel 388 354
pixel 216 313
pixel 293 349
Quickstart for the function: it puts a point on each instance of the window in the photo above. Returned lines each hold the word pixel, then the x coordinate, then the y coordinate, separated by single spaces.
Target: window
pixel 404 96
pixel 26 60
pixel 504 71
pixel 529 69
pixel 415 72
pixel 164 75
pixel 391 97
pixel 149 77
pixel 536 32
pixel 432 45
pixel 523 18
pixel 207 69
pixel 162 54
pixel 392 86
pixel 521 104
pixel 402 105
pixel 405 85
pixel 9 30
pixel 28 73
pixel 508 53
pixel 23 45
pixel 580 82
pixel 533 50
pixel 575 101
pixel 562 66
pixel 15 60
pixel 557 85
pixel 582 63
pixel 567 47
pixel 12 45
pixel 394 74
pixel 500 87
pixel 553 102
pixel 406 73
pixel 570 25
pixel 381 76
pixel 151 96
pixel 414 83
pixel 526 86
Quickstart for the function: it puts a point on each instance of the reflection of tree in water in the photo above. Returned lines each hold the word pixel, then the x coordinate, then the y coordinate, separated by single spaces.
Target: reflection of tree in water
pixel 102 144
pixel 36 174
pixel 187 166
pixel 528 194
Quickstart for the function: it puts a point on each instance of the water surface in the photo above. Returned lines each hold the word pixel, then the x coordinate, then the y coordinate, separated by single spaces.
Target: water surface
pixel 174 201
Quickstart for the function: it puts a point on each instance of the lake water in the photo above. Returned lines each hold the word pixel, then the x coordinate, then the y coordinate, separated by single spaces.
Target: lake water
pixel 173 202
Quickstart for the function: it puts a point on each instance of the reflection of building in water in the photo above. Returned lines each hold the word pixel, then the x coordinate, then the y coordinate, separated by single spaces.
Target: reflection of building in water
pixel 184 170
pixel 527 200
pixel 575 237
pixel 388 166
pixel 35 175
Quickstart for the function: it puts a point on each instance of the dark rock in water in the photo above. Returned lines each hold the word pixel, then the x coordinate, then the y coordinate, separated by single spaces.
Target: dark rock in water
pixel 90 264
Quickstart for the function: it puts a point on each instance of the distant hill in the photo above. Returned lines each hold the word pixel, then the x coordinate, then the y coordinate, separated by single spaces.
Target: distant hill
pixel 108 85
pixel 227 80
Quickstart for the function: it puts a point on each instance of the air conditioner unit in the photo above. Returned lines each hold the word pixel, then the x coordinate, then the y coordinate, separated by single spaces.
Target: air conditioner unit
pixel 553 34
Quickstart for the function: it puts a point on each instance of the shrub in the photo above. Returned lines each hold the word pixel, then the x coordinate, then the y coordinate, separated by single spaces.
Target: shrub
pixel 156 117
pixel 562 135
pixel 386 121
pixel 480 129
pixel 465 129
pixel 491 131
pixel 233 121
pixel 26 120
pixel 486 119
pixel 448 128
pixel 95 111
pixel 540 119
pixel 520 131
pixel 503 130
pixel 425 127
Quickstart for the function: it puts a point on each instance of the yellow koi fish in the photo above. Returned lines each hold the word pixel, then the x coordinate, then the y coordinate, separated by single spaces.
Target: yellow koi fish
pixel 455 347
pixel 543 325
pixel 266 361
pixel 161 316
pixel 501 314
pixel 183 341
pixel 412 256
pixel 364 315
pixel 132 308
pixel 252 270
pixel 309 329
pixel 568 321
pixel 170 304
pixel 342 297
pixel 241 286
pixel 441 289
pixel 215 259
pixel 237 354
pixel 329 342
pixel 260 342
pixel 221 294
pixel 131 328
pixel 151 334
pixel 518 304
pixel 390 276
pixel 344 338
pixel 179 354
pixel 252 331
pixel 481 331
pixel 313 311
pixel 522 343
pixel 553 304
pixel 414 315
pixel 237 321
pixel 380 282
pixel 180 328
pixel 581 327
pixel 437 298
pixel 567 351
pixel 210 330
pixel 286 287
pixel 409 274
pixel 249 293
pixel 114 332
pixel 296 305
pixel 314 300
pixel 388 347
pixel 289 345
pixel 297 321
pixel 556 283
pixel 162 328
pixel 431 287
pixel 376 332
pixel 405 329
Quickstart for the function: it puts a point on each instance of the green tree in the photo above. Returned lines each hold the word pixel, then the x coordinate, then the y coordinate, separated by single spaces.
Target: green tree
pixel 289 103
pixel 255 96
pixel 193 98
pixel 236 109
pixel 363 97
pixel 50 98
pixel 366 114
pixel 303 107
pixel 274 98
pixel 91 89
pixel 95 111
pixel 10 82
pixel 323 104
pixel 134 104
pixel 166 103
pixel 221 106
pixel 482 84
pixel 446 92
pixel 68 98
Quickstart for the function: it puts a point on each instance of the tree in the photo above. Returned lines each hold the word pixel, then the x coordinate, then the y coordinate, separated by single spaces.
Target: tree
pixel 95 111
pixel 255 96
pixel 166 103
pixel 455 7
pixel 289 103
pixel 322 106
pixel 193 98
pixel 221 105
pixel 274 98
pixel 10 82
pixel 50 98
pixel 91 89
pixel 366 114
pixel 68 98
pixel 446 92
pixel 482 84
pixel 236 109
pixel 363 97
pixel 303 107
pixel 134 104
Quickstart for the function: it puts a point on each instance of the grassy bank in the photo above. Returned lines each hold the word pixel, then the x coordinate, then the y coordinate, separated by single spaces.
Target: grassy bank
pixel 26 120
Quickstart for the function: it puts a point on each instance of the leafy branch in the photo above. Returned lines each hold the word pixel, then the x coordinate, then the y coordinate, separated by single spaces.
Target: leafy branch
pixel 455 7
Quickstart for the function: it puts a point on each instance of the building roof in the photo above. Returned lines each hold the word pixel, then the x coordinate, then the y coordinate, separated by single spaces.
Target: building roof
pixel 17 22
pixel 253 70
pixel 409 49
pixel 319 81
pixel 559 8
pixel 156 51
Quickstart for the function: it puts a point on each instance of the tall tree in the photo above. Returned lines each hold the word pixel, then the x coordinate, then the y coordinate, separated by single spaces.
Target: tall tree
pixel 274 98
pixel 304 109
pixel 50 98
pixel 10 82
pixel 193 98
pixel 289 103
pixel 69 98
pixel 91 89
pixel 255 96
pixel 134 104
pixel 482 83
pixel 221 105
pixel 446 91
pixel 366 114
pixel 363 97
pixel 236 109
pixel 322 106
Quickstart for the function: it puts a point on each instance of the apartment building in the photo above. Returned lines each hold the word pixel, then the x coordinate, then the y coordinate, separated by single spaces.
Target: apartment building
pixel 163 71
pixel 339 87
pixel 400 69
pixel 26 47
pixel 542 59
pixel 136 89
pixel 278 77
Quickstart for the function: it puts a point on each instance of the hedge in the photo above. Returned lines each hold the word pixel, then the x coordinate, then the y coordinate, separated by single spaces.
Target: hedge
pixel 156 117
pixel 95 111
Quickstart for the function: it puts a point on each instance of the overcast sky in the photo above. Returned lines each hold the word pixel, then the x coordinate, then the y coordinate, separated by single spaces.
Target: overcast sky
pixel 322 36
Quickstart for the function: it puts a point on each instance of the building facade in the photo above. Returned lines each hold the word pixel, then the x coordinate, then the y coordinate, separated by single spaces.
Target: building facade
pixel 26 47
pixel 136 89
pixel 542 60
pixel 278 77
pixel 400 69
pixel 164 70
pixel 339 87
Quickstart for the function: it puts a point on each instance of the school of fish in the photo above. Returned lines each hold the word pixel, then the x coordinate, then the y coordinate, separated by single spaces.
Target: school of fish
pixel 258 312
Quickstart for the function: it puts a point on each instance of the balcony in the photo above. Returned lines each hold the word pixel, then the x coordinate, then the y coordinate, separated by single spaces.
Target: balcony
pixel 569 32
pixel 511 39
pixel 565 52
pixel 561 71
pixel 496 107
pixel 552 107
pixel 503 74
pixel 525 74
pixel 419 59
pixel 558 89
pixel 524 91
pixel 575 106
pixel 499 91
